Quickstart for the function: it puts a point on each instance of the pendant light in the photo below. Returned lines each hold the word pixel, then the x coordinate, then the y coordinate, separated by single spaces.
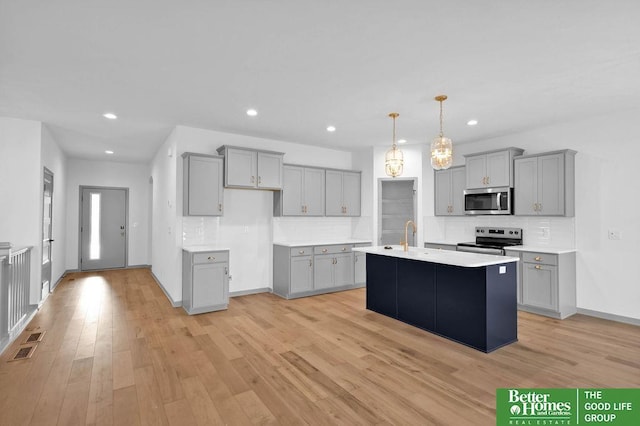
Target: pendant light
pixel 441 147
pixel 393 159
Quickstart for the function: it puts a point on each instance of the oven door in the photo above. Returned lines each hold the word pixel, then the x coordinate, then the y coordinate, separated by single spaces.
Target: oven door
pixel 487 201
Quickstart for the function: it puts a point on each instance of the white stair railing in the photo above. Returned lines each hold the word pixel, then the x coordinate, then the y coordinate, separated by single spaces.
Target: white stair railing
pixel 15 279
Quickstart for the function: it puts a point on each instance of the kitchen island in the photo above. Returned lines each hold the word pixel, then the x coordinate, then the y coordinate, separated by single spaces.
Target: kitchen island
pixel 466 297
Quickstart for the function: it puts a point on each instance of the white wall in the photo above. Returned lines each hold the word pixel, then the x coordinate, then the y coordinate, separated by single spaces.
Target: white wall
pixel 20 192
pixel 110 174
pixel 54 159
pixel 607 188
pixel 247 228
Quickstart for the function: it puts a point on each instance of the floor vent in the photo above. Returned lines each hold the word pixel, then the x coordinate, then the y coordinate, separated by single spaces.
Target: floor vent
pixel 34 337
pixel 24 353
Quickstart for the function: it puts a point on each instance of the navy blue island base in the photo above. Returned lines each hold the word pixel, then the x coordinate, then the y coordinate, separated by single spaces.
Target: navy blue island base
pixel 475 306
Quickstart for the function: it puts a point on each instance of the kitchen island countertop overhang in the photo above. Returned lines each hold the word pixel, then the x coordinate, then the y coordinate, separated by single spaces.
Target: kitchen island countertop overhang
pixel 445 257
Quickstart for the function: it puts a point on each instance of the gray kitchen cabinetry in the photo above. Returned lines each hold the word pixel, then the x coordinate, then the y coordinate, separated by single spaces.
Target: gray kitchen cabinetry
pixel 491 168
pixel 310 270
pixel 512 253
pixel 202 185
pixel 545 184
pixel 334 266
pixel 251 169
pixel 547 283
pixel 449 191
pixel 342 189
pixel 205 281
pixel 302 192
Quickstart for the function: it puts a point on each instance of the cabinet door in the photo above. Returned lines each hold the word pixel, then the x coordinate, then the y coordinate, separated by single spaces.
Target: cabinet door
pixel 323 271
pixel 360 268
pixel 417 293
pixel 540 286
pixel 476 171
pixel 382 285
pixel 241 168
pixel 314 192
pixel 351 193
pixel 343 269
pixel 301 274
pixel 292 190
pixel 442 192
pixel 269 170
pixel 209 284
pixel 458 181
pixel 526 186
pixel 551 185
pixel 203 186
pixel 333 193
pixel 498 169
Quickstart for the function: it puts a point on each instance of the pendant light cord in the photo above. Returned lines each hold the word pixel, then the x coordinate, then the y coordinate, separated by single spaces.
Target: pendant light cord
pixel 441 132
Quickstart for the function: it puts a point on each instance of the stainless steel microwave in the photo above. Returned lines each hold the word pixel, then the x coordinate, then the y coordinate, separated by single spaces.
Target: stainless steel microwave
pixel 488 201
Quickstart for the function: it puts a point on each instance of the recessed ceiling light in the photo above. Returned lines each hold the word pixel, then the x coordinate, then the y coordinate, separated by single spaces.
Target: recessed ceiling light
pixel 402 141
pixel 110 116
pixel 108 152
pixel 331 128
pixel 252 112
pixel 472 122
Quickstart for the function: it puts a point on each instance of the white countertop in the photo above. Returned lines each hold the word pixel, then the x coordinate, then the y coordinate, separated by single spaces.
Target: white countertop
pixel 542 249
pixel 446 243
pixel 446 257
pixel 198 249
pixel 303 243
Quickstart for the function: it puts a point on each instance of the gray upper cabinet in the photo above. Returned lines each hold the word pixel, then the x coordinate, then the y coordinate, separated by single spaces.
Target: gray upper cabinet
pixel 544 184
pixel 491 168
pixel 343 192
pixel 302 192
pixel 449 191
pixel 202 185
pixel 251 169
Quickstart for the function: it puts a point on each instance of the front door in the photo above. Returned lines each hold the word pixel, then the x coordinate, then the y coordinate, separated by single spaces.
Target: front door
pixel 47 232
pixel 103 228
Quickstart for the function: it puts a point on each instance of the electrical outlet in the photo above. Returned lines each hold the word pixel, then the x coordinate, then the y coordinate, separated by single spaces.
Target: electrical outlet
pixel 546 232
pixel 614 234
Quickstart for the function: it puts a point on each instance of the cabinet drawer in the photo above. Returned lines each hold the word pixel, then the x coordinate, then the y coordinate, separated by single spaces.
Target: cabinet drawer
pixel 542 258
pixel 301 251
pixel 211 257
pixel 338 248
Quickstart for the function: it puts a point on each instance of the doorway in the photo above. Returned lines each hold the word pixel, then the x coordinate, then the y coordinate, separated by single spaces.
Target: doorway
pixel 47 232
pixel 396 205
pixel 103 227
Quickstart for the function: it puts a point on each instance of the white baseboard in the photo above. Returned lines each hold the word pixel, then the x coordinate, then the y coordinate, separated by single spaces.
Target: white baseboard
pixel 248 292
pixel 174 303
pixel 611 317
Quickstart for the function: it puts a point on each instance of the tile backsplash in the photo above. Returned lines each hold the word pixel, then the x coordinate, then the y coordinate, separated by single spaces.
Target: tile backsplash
pixel 311 228
pixel 536 231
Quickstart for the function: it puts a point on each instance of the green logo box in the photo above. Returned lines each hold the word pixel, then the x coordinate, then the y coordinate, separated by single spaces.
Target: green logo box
pixel 570 406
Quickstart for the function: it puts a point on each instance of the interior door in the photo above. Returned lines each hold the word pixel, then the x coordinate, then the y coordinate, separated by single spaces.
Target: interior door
pixel 47 232
pixel 396 206
pixel 103 228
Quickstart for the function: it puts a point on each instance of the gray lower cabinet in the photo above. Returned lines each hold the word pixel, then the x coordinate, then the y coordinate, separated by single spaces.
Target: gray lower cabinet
pixel 205 281
pixel 311 270
pixel 547 283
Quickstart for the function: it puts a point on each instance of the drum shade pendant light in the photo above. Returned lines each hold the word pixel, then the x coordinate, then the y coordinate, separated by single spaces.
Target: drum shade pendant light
pixel 393 159
pixel 441 147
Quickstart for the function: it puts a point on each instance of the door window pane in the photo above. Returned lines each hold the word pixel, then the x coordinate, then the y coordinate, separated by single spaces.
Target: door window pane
pixel 94 242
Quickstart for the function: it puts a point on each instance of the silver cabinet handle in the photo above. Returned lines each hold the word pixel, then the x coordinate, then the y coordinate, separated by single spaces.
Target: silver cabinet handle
pixel 537 258
pixel 302 209
pixel 253 179
pixel 219 207
pixel 310 264
pixel 301 251
pixel 226 270
pixel 324 250
pixel 344 248
pixel 211 258
pixel 259 180
pixel 537 266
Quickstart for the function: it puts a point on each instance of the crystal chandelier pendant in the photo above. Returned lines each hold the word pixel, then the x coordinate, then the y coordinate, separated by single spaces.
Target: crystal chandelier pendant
pixel 394 159
pixel 441 147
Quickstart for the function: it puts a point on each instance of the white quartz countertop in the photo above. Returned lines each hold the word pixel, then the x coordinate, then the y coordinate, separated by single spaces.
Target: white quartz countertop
pixel 542 249
pixel 303 243
pixel 442 242
pixel 198 249
pixel 445 257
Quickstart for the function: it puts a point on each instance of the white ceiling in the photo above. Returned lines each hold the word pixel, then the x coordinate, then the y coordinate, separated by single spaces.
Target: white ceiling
pixel 305 64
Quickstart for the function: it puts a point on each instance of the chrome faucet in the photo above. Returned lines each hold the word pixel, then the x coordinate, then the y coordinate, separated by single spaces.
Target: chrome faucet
pixel 405 243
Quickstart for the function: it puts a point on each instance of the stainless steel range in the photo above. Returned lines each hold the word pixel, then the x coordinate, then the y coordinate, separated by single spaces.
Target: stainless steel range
pixel 492 240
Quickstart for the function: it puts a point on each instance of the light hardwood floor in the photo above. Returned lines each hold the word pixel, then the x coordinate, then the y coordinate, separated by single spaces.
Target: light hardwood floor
pixel 116 352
